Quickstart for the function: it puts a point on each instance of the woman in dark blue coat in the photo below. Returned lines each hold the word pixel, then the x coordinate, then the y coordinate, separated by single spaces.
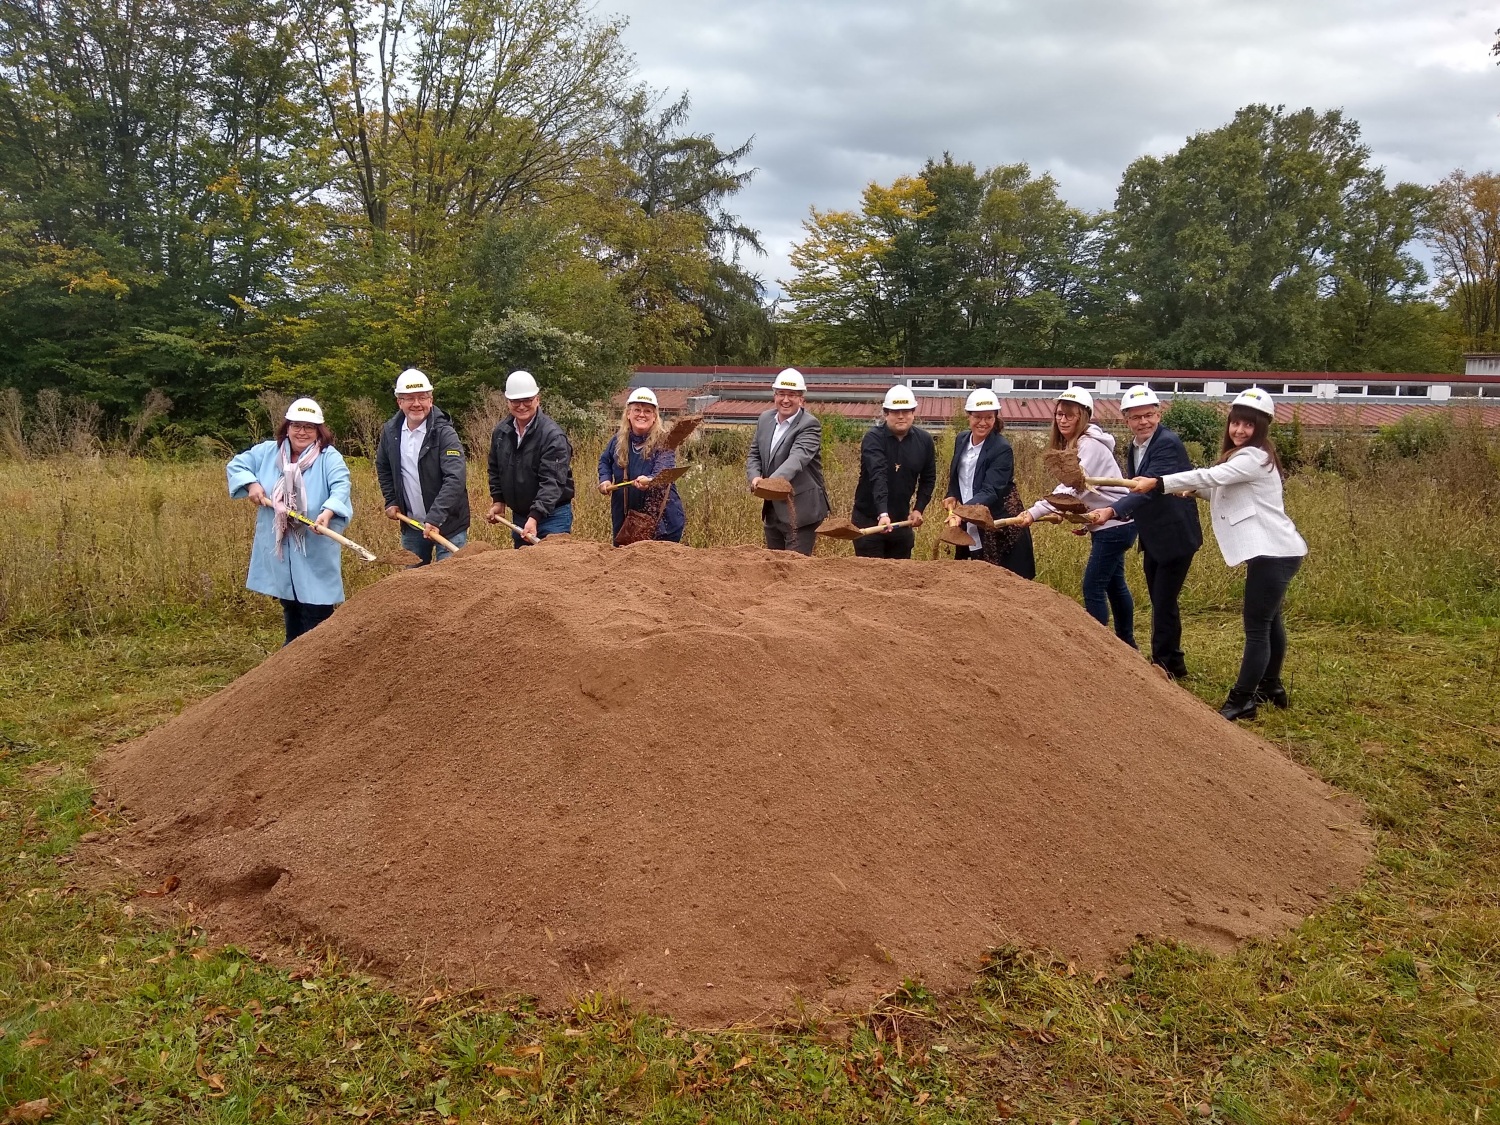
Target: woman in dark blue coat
pixel 633 455
pixel 983 472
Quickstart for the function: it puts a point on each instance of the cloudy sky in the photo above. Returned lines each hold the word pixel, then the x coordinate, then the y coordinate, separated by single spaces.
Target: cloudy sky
pixel 841 92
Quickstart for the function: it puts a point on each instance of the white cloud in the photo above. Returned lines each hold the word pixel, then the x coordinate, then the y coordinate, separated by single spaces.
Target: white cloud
pixel 840 92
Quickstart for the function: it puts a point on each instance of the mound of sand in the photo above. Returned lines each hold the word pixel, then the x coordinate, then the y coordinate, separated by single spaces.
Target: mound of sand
pixel 716 780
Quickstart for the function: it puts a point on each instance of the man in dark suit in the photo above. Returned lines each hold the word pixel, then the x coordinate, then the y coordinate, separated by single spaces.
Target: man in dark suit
pixel 1170 534
pixel 788 445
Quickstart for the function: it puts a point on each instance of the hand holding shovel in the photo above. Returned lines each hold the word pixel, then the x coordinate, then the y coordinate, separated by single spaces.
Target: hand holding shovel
pixel 495 517
pixel 660 480
pixel 364 553
pixel 445 544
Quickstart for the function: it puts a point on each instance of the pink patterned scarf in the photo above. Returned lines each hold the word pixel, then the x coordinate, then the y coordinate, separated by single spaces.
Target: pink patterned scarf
pixel 291 492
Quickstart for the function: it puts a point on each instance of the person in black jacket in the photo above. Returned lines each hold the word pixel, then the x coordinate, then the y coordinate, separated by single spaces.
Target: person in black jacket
pixel 896 459
pixel 983 472
pixel 422 470
pixel 531 465
pixel 1170 533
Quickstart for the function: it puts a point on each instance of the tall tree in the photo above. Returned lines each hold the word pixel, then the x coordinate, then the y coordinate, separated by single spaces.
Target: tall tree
pixel 1232 247
pixel 1463 229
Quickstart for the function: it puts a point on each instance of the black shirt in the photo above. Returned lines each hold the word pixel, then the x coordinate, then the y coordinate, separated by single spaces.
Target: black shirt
pixel 891 469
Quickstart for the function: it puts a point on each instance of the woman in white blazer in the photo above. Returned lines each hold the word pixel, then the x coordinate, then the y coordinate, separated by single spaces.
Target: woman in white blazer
pixel 1252 527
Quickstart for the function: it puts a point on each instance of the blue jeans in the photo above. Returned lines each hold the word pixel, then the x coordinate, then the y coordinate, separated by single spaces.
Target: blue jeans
pixel 559 522
pixel 1104 586
pixel 423 547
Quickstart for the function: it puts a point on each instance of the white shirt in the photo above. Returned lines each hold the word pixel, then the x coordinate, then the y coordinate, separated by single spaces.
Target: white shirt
pixel 1140 447
pixel 967 462
pixel 782 428
pixel 411 481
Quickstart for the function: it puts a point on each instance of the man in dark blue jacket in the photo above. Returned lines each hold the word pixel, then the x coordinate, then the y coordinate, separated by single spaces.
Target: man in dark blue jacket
pixel 1170 534
pixel 422 470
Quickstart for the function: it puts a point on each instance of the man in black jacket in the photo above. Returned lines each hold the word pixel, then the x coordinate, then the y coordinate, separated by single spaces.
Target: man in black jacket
pixel 1170 533
pixel 422 470
pixel 531 465
pixel 896 459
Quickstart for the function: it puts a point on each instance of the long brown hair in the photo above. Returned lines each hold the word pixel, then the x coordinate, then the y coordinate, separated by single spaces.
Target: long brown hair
pixel 622 442
pixel 1056 440
pixel 324 438
pixel 1260 436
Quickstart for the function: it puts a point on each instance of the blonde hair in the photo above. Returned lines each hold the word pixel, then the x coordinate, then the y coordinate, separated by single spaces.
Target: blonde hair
pixel 622 436
pixel 1055 439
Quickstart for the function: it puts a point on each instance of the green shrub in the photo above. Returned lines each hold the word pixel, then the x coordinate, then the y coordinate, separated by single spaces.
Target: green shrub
pixel 836 427
pixel 1414 436
pixel 1196 422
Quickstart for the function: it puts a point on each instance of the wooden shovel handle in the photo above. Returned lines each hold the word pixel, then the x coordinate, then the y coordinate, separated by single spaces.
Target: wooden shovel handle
pixel 877 529
pixel 521 531
pixel 363 552
pixel 436 538
pixel 1108 482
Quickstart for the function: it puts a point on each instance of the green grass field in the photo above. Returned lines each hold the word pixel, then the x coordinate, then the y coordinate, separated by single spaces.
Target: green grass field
pixel 119 604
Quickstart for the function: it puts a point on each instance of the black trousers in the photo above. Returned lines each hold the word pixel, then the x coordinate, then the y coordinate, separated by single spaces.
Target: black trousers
pixel 302 616
pixel 1164 582
pixel 1266 580
pixel 896 544
pixel 801 539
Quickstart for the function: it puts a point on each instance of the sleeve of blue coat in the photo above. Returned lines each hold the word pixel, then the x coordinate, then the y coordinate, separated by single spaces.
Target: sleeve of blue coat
pixel 338 501
pixel 1172 457
pixel 243 469
pixel 607 461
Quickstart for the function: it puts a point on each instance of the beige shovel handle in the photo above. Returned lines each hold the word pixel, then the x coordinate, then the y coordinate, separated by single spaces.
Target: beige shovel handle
pixel 521 531
pixel 877 529
pixel 436 538
pixel 1108 482
pixel 363 552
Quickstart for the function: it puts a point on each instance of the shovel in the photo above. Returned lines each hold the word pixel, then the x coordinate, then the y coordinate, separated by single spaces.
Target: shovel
pixel 772 488
pixel 660 480
pixel 844 529
pixel 364 553
pixel 1064 465
pixel 521 531
pixel 436 538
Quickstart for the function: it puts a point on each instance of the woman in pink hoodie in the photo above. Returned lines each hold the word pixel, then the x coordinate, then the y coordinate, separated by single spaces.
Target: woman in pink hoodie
pixel 1104 586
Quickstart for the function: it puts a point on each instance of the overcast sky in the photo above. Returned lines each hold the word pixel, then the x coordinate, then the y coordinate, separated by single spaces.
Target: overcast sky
pixel 841 92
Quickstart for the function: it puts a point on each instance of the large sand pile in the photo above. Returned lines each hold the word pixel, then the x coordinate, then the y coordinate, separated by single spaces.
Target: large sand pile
pixel 714 780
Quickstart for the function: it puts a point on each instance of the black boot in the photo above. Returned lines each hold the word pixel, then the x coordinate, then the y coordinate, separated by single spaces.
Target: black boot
pixel 1272 692
pixel 1239 705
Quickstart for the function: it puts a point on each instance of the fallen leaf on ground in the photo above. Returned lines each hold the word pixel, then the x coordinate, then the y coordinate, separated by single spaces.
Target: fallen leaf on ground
pixel 34 1040
pixel 27 1111
pixel 1348 1111
pixel 214 1080
pixel 168 885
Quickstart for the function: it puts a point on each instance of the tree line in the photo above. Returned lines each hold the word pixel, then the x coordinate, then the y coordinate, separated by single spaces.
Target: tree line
pixel 215 201
pixel 1268 244
pixel 202 207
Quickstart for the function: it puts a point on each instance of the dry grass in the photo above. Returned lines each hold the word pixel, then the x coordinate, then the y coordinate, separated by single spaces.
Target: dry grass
pixel 93 543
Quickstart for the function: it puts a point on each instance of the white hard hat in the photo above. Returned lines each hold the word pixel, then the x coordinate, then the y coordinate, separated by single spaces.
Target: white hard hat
pixel 1079 397
pixel 1256 399
pixel 521 384
pixel 899 397
pixel 789 380
pixel 1139 395
pixel 411 381
pixel 982 399
pixel 305 410
pixel 642 394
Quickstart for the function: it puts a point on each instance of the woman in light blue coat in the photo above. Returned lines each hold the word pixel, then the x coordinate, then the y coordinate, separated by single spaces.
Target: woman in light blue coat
pixel 302 471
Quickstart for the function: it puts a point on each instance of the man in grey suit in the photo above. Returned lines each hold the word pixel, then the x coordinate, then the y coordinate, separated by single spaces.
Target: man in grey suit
pixel 788 444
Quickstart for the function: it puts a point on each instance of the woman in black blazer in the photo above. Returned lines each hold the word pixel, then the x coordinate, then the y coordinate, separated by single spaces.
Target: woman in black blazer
pixel 983 472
